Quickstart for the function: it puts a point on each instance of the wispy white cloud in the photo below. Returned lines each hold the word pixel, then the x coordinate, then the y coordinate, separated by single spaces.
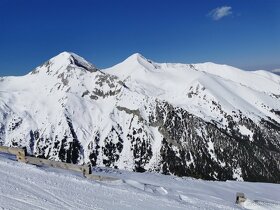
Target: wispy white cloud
pixel 220 12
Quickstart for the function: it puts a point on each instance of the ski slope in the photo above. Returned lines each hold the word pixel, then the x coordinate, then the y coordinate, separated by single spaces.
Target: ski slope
pixel 29 187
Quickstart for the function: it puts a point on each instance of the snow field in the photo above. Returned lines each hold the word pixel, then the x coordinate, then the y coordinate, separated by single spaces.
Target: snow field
pixel 29 187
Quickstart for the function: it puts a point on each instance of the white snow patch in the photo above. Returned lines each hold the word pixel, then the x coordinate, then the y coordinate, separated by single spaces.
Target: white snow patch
pixel 211 150
pixel 245 131
pixel 237 174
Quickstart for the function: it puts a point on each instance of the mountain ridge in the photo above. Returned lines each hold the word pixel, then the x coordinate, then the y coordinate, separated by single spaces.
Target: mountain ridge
pixel 180 119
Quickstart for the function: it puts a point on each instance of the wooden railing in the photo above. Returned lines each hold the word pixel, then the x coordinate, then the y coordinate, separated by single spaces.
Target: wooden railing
pixel 24 158
pixel 20 153
pixel 85 169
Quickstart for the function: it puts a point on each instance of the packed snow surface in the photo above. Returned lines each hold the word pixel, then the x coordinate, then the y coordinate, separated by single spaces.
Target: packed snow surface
pixel 29 187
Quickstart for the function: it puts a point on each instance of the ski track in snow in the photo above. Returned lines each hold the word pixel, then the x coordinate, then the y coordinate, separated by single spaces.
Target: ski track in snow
pixel 29 187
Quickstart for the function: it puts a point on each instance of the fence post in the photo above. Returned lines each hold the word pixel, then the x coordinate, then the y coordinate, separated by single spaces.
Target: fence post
pixel 86 170
pixel 21 155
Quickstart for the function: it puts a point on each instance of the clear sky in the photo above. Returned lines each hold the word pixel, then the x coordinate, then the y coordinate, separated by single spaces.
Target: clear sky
pixel 242 33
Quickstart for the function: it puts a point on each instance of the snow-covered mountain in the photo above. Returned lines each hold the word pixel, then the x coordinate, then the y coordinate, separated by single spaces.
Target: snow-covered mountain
pixel 203 120
pixel 276 71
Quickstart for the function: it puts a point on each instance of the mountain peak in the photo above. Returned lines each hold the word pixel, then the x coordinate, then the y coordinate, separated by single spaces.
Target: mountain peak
pixel 64 54
pixel 68 58
pixel 134 64
pixel 65 61
pixel 136 58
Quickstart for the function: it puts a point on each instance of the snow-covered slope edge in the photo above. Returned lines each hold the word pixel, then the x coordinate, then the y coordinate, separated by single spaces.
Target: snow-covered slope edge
pixel 201 120
pixel 29 187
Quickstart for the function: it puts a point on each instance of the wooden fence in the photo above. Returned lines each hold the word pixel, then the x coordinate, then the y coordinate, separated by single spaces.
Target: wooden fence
pixel 85 169
pixel 20 153
pixel 23 157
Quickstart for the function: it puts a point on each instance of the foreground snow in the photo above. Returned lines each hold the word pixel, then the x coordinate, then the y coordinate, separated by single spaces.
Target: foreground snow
pixel 29 187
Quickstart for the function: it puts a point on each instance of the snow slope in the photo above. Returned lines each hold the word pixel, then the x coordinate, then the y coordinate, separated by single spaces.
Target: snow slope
pixel 29 187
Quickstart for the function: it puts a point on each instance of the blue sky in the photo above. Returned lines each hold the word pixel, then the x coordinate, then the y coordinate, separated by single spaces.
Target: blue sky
pixel 242 33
